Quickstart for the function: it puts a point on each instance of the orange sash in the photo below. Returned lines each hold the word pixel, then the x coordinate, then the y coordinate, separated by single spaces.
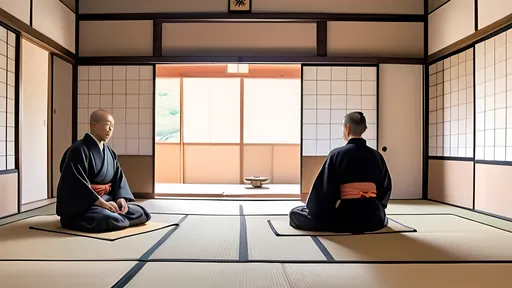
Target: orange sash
pixel 358 190
pixel 101 189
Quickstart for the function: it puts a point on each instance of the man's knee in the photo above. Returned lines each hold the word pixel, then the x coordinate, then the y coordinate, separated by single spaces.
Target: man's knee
pixel 137 214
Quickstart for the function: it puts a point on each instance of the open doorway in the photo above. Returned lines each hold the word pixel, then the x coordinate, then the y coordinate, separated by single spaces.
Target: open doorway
pixel 217 124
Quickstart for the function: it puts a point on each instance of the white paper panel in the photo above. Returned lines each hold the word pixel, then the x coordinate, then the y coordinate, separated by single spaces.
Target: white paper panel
pixel 451 106
pixel 126 92
pixel 328 94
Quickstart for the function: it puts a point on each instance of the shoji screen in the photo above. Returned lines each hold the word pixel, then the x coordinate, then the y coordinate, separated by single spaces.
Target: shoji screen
pixel 328 94
pixel 7 107
pixel 494 98
pixel 451 106
pixel 8 113
pixel 127 93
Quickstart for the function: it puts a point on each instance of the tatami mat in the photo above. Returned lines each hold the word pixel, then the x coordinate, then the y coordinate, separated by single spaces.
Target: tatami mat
pixel 432 242
pixel 62 274
pixel 19 242
pixel 213 275
pixel 269 207
pixel 264 245
pixel 398 275
pixel 203 237
pixel 282 228
pixel 51 224
pixel 192 206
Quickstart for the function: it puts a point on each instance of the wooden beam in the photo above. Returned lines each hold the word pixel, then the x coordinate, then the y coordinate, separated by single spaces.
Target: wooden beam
pixel 157 38
pixel 321 38
pixel 129 60
pixel 279 17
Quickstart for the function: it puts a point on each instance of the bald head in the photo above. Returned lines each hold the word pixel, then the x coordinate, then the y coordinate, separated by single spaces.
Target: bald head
pixel 99 116
pixel 354 123
pixel 102 124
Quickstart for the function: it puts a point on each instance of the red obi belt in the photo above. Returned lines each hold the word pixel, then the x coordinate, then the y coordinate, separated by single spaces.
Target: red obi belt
pixel 358 190
pixel 101 189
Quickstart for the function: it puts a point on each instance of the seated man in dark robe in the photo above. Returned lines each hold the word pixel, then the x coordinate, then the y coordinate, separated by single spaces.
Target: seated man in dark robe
pixel 92 193
pixel 352 189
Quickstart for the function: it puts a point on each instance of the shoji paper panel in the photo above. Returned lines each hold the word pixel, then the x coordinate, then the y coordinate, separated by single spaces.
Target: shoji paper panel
pixel 494 98
pixel 337 6
pixel 127 93
pixel 450 23
pixel 451 106
pixel 152 6
pixel 116 38
pixel 224 39
pixel 328 94
pixel 375 39
pixel 490 11
pixel 55 20
pixel 7 98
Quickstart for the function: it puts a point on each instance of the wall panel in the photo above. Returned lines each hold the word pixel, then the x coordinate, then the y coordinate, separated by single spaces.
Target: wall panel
pixel 18 8
pixel 139 172
pixel 116 38
pixel 310 167
pixel 375 39
pixel 9 194
pixel 56 21
pixel 211 164
pixel 286 164
pixel 151 6
pixel 494 98
pixel 258 161
pixel 490 11
pixel 127 93
pixel 492 189
pixel 336 6
pixel 244 39
pixel 167 163
pixel 62 129
pixel 450 23
pixel 451 182
pixel 451 106
pixel 34 122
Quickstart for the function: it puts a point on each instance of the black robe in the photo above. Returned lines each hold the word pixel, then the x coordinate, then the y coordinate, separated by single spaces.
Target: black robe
pixel 83 164
pixel 352 163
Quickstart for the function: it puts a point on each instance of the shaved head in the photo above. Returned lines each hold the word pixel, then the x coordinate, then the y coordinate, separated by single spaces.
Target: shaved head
pixel 354 124
pixel 102 124
pixel 98 116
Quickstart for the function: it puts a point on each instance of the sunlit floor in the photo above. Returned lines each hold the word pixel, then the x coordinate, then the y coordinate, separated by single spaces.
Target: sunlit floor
pixel 229 190
pixel 229 243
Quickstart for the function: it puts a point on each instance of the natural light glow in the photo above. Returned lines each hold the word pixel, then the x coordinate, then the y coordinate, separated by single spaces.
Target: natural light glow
pixel 238 68
pixel 272 111
pixel 232 68
pixel 243 68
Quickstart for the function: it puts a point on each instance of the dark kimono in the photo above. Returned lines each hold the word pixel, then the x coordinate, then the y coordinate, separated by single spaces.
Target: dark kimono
pixel 332 207
pixel 84 164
